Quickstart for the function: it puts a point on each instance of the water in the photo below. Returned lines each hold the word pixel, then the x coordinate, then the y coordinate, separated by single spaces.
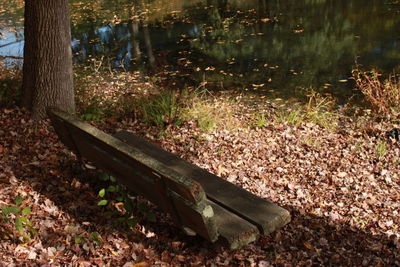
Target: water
pixel 11 45
pixel 268 46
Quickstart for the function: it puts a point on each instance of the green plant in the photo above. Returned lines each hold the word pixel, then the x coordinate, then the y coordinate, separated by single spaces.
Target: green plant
pixel 380 148
pixel 161 109
pixel 259 120
pixel 206 123
pixel 295 116
pixel 93 111
pixel 122 202
pixel 210 112
pixel 78 239
pixel 382 94
pixel 170 107
pixel 201 111
pixel 18 215
pixel 318 109
pixel 94 236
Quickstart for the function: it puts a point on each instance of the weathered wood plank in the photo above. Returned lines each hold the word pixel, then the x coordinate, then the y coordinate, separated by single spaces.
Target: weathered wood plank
pixel 186 212
pixel 266 215
pixel 199 218
pixel 62 132
pixel 133 177
pixel 185 187
pixel 234 231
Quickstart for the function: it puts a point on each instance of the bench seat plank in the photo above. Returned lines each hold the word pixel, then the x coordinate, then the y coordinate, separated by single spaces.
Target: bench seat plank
pixel 266 215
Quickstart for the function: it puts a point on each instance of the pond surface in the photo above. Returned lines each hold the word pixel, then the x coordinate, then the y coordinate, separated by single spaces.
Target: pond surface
pixel 269 46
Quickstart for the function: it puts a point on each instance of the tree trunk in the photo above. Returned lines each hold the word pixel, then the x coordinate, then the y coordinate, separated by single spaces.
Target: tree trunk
pixel 47 69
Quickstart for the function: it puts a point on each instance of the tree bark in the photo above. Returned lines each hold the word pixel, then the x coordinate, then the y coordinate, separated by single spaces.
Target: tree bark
pixel 47 69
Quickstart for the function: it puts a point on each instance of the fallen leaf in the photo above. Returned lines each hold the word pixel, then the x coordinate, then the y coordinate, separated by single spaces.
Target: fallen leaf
pixel 308 245
pixel 141 264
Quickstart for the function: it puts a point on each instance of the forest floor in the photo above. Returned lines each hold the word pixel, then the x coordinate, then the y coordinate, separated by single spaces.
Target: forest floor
pixel 341 186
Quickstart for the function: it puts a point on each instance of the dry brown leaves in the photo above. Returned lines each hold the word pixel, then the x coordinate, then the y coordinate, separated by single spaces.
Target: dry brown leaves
pixel 344 197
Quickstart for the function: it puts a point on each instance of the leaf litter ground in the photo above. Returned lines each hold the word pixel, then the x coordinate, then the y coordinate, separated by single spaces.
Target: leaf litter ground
pixel 343 194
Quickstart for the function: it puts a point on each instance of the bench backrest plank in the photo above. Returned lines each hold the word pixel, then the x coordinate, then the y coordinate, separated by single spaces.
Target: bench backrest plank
pixel 62 131
pixel 81 133
pixel 175 194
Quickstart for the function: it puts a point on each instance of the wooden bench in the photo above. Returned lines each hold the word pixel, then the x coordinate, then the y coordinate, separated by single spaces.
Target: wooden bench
pixel 196 199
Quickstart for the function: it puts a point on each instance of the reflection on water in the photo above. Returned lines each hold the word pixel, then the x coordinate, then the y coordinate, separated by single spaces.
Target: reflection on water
pixel 263 45
pixel 11 44
pixel 11 32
